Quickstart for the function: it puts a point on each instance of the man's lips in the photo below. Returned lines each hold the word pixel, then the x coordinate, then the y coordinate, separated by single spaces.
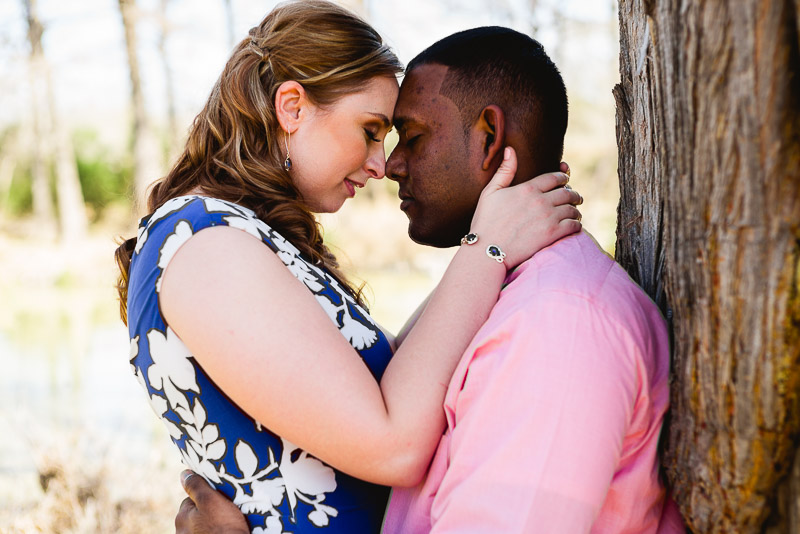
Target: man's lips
pixel 405 200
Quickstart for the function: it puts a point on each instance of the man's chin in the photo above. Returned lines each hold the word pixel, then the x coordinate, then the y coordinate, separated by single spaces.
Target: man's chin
pixel 430 239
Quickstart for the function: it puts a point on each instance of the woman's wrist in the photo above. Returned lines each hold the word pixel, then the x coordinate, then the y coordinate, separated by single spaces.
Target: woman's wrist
pixel 482 263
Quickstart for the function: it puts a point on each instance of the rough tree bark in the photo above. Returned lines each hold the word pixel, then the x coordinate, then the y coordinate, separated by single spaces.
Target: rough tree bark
pixel 146 154
pixel 708 128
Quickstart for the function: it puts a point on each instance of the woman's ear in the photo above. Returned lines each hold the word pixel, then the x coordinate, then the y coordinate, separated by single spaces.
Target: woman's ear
pixel 291 104
pixel 492 125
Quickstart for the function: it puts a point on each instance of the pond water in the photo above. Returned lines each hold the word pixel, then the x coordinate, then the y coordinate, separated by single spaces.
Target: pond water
pixel 85 406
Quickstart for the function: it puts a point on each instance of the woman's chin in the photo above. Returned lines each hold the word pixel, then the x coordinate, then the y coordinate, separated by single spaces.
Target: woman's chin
pixel 329 206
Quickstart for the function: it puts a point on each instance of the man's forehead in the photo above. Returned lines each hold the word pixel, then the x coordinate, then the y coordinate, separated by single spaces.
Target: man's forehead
pixel 418 93
pixel 429 75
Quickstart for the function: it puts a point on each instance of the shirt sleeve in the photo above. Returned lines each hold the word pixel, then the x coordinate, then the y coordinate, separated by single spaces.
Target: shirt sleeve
pixel 540 422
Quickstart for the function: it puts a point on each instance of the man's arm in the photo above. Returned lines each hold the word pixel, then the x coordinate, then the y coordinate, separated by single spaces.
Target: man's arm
pixel 401 335
pixel 540 424
pixel 207 511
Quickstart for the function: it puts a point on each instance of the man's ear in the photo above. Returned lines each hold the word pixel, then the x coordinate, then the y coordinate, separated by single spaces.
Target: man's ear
pixel 492 126
pixel 291 103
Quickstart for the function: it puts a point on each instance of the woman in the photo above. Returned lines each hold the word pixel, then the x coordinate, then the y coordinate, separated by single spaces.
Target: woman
pixel 250 353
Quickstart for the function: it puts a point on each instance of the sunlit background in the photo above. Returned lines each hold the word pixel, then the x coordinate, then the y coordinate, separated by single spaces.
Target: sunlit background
pixel 80 450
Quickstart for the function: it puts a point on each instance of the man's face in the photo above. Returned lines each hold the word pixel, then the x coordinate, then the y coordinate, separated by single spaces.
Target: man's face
pixel 432 161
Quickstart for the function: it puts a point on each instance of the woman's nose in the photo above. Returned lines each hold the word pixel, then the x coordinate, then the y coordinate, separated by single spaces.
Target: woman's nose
pixel 376 163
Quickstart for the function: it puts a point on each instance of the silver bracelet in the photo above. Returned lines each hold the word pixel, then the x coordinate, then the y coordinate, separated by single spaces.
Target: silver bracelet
pixel 493 251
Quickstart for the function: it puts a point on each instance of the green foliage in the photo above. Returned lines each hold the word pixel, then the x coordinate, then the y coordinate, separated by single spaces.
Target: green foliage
pixel 105 179
pixel 20 195
pixel 17 199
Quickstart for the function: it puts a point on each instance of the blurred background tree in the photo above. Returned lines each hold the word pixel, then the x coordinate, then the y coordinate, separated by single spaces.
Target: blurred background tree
pixel 144 145
pixel 173 137
pixel 51 146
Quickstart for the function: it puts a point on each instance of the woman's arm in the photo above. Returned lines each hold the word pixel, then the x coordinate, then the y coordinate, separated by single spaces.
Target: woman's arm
pixel 262 337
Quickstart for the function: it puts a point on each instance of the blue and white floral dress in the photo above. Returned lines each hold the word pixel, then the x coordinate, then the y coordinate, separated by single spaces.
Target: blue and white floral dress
pixel 278 486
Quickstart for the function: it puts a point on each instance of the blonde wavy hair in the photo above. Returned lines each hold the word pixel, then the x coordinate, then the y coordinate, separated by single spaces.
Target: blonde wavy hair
pixel 234 149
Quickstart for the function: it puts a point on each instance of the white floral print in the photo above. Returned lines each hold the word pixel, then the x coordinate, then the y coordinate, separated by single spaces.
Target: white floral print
pixel 171 372
pixel 166 209
pixel 182 233
pixel 309 480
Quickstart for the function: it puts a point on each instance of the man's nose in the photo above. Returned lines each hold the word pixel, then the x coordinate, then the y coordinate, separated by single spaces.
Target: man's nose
pixel 396 168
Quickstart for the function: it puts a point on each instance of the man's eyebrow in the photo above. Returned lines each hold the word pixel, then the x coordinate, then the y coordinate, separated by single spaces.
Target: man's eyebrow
pixel 383 118
pixel 404 122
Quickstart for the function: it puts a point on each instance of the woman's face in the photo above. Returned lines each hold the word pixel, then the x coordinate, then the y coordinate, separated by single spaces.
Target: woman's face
pixel 336 149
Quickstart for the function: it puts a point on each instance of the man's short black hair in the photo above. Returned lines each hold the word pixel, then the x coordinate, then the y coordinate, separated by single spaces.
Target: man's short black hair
pixel 495 65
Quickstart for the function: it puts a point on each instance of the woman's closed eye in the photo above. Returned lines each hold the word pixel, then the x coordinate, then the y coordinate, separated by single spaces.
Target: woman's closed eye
pixel 372 136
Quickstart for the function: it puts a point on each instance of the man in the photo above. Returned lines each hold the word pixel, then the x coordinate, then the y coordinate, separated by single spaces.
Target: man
pixel 555 409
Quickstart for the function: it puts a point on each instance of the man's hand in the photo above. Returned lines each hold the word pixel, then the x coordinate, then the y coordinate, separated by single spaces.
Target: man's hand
pixel 206 511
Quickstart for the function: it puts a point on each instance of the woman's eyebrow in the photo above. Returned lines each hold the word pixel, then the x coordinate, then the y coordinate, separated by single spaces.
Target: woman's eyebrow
pixel 383 118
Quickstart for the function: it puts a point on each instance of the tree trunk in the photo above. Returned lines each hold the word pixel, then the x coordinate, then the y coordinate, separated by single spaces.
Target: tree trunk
pixel 533 20
pixel 229 24
pixel 8 163
pixel 52 144
pixel 72 218
pixel 43 210
pixel 144 146
pixel 173 138
pixel 708 128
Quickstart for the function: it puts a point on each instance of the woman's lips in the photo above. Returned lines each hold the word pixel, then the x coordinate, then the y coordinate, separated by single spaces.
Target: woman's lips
pixel 351 186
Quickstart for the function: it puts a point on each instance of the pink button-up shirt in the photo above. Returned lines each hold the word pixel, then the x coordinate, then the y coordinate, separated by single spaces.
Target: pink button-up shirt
pixel 554 412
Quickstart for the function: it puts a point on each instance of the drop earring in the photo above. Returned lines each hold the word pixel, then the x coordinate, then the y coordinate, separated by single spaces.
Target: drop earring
pixel 287 163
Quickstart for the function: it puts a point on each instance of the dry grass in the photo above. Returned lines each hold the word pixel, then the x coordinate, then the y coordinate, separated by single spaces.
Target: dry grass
pixel 83 484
